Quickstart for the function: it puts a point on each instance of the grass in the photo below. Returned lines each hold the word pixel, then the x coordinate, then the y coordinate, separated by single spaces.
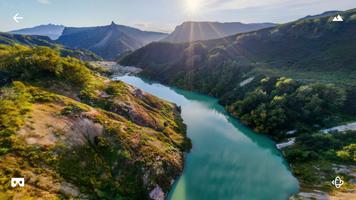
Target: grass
pixel 113 165
pixel 14 104
pixel 62 121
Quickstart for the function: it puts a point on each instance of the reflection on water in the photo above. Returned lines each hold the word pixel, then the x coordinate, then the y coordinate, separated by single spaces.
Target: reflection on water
pixel 228 160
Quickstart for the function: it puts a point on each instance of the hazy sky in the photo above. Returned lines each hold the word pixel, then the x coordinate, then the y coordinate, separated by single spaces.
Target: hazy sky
pixel 159 15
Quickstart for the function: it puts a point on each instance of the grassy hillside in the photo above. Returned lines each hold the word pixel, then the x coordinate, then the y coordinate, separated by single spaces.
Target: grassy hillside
pixel 307 52
pixel 308 49
pixel 74 134
pixel 34 40
pixel 11 39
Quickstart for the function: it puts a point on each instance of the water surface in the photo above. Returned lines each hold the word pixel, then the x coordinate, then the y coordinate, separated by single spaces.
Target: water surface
pixel 228 160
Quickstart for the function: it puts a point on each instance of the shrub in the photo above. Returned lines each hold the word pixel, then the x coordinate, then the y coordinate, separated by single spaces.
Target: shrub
pixel 42 62
pixel 14 104
pixel 348 153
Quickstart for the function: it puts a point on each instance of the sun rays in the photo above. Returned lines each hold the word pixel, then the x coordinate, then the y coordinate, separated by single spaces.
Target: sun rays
pixel 193 6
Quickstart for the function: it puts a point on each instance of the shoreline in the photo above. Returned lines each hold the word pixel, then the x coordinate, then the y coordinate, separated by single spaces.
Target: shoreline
pixel 115 68
pixel 304 192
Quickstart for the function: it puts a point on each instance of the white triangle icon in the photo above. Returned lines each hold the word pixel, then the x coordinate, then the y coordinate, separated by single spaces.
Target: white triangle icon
pixel 338 19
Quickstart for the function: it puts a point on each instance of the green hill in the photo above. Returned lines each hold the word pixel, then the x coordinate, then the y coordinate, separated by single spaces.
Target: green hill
pixel 289 82
pixel 74 134
pixel 247 71
pixel 35 40
pixel 310 49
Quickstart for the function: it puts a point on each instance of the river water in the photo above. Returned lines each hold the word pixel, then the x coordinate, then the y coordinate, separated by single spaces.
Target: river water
pixel 228 161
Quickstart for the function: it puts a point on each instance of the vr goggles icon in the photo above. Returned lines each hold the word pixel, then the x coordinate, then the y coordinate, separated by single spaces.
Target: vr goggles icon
pixel 17 182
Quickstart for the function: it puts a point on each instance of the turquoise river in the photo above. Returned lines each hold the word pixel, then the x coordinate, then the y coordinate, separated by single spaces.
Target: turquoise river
pixel 228 161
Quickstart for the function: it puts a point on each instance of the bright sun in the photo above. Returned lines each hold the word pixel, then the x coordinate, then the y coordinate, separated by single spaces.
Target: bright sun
pixel 193 6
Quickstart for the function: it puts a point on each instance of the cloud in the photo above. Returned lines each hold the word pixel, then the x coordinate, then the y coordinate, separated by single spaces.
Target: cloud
pixel 44 1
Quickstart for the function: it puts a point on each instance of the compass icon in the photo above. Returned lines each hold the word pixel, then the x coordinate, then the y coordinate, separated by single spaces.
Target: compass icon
pixel 337 182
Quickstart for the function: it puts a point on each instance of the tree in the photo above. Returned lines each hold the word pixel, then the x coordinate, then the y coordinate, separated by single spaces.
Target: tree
pixel 348 153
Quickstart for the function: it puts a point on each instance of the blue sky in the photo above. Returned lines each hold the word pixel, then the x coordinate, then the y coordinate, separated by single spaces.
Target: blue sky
pixel 159 15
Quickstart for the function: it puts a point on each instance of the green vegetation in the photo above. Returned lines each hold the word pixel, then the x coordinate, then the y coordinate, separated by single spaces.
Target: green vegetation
pixel 33 41
pixel 295 78
pixel 314 157
pixel 317 92
pixel 75 134
pixel 279 105
pixel 14 104
pixel 12 39
pixel 36 63
pixel 348 153
pixel 306 50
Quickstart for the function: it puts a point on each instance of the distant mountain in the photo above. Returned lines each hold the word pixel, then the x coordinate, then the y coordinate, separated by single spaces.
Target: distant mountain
pixel 194 31
pixel 36 40
pixel 325 14
pixel 51 30
pixel 108 41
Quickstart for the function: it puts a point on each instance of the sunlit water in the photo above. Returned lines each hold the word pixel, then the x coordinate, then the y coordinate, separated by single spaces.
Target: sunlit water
pixel 228 160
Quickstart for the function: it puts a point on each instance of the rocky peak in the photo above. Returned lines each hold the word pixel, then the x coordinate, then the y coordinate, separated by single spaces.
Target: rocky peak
pixel 113 23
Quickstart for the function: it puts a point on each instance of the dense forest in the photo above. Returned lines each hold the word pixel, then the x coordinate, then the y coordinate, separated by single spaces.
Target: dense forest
pixel 288 82
pixel 247 72
pixel 279 105
pixel 307 49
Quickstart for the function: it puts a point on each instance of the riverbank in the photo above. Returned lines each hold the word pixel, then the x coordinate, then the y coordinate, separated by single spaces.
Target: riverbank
pixel 341 128
pixel 318 159
pixel 226 159
pixel 315 175
pixel 304 170
pixel 73 134
pixel 114 68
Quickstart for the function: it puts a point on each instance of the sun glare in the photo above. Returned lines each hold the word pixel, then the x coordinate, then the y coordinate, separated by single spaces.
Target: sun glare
pixel 193 6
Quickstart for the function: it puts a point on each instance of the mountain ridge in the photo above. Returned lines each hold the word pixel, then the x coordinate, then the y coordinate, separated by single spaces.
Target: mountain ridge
pixel 107 41
pixel 288 46
pixel 190 31
pixel 288 81
pixel 36 40
pixel 53 31
pixel 307 51
pixel 324 14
